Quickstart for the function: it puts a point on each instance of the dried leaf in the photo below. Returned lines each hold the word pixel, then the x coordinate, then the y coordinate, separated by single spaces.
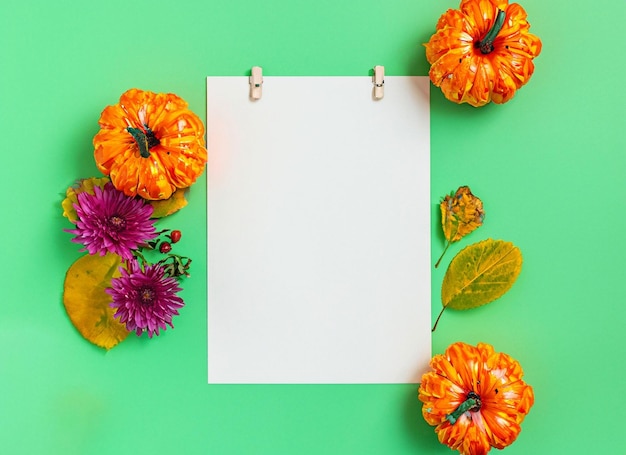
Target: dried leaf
pixel 461 213
pixel 165 207
pixel 480 274
pixel 87 304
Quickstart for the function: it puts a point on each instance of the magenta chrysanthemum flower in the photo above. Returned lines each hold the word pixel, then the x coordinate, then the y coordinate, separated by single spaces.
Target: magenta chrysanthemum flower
pixel 110 221
pixel 145 299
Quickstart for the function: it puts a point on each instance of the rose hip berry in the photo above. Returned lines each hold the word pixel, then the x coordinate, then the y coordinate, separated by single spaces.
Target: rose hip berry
pixel 165 247
pixel 175 235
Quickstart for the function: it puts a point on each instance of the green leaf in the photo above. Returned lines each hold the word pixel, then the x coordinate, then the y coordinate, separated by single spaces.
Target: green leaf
pixel 480 274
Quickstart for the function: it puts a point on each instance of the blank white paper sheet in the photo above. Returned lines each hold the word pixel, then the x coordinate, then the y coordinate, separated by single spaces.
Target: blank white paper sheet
pixel 318 231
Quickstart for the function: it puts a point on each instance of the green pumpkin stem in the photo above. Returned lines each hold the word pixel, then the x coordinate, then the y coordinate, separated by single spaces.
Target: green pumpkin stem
pixel 486 44
pixel 145 139
pixel 472 403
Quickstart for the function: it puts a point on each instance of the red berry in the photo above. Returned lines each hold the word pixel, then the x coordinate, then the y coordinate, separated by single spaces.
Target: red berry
pixel 165 247
pixel 175 236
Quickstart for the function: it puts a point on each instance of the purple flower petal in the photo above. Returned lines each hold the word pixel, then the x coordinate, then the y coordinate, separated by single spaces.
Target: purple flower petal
pixel 110 221
pixel 146 300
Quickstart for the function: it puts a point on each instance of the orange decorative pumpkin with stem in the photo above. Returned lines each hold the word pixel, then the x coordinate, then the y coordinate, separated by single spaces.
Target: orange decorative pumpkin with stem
pixel 150 144
pixel 482 52
pixel 475 397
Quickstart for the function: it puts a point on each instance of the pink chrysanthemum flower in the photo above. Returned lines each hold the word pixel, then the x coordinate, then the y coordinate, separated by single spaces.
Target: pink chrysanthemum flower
pixel 110 221
pixel 145 299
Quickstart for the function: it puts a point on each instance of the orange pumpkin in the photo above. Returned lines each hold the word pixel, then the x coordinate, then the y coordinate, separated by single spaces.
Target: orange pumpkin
pixel 475 397
pixel 150 144
pixel 482 52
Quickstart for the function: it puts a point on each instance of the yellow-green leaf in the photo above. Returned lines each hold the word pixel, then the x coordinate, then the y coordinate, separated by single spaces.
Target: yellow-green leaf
pixel 479 274
pixel 165 207
pixel 461 213
pixel 86 302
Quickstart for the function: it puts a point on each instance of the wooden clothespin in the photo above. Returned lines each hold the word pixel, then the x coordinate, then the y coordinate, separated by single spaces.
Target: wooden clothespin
pixel 378 79
pixel 256 83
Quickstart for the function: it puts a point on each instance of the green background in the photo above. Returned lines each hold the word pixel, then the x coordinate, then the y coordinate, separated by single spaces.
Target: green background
pixel 549 166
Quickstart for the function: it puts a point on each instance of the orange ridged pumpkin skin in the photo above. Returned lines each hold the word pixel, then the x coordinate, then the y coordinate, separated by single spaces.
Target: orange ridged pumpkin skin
pixel 475 397
pixel 467 74
pixel 150 144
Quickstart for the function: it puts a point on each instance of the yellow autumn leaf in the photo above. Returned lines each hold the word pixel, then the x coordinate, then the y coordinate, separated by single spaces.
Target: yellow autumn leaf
pixel 461 213
pixel 479 274
pixel 86 302
pixel 165 207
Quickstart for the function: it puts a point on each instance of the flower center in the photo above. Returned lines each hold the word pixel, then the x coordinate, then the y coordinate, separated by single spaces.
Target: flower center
pixel 117 223
pixel 147 296
pixel 145 139
pixel 486 44
pixel 472 403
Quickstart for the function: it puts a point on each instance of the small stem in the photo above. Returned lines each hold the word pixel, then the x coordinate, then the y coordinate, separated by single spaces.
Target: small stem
pixel 438 317
pixel 141 259
pixel 486 44
pixel 472 403
pixel 444 252
pixel 141 139
pixel 145 139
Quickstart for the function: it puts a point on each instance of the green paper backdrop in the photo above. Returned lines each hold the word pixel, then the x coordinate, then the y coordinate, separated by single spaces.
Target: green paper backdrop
pixel 549 166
